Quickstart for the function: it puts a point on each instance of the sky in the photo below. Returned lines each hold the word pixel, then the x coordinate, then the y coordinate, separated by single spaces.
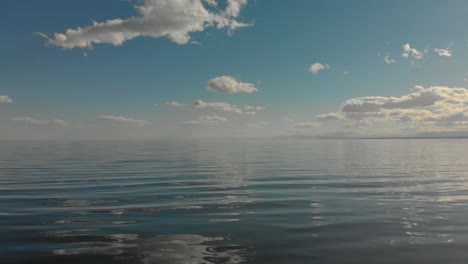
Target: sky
pixel 176 69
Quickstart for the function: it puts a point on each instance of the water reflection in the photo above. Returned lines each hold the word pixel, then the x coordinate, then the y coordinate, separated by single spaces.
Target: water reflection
pixel 171 249
pixel 291 201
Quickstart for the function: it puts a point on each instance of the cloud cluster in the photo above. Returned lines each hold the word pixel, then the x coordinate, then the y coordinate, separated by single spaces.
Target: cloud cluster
pixel 444 52
pixel 35 121
pixel 174 19
pixel 408 52
pixel 437 106
pixel 411 53
pixel 5 99
pixel 421 98
pixel 317 67
pixel 226 107
pixel 206 120
pixel 125 120
pixel 229 84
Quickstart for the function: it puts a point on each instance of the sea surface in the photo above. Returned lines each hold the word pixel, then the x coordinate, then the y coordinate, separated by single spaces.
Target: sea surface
pixel 235 201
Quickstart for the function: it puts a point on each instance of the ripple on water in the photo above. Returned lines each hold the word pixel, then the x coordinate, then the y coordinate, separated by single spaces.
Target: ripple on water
pixel 278 201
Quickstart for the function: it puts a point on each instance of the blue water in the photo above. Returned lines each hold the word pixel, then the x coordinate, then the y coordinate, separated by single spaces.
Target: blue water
pixel 235 201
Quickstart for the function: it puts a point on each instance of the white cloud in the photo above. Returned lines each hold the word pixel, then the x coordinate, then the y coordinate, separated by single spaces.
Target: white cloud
pixel 444 52
pixel 317 67
pixel 174 19
pixel 229 84
pixel 421 98
pixel 307 125
pixel 330 116
pixel 388 59
pixel 211 2
pixel 256 108
pixel 347 72
pixel 206 120
pixel 226 107
pixel 287 119
pixel 234 7
pixel 194 42
pixel 35 121
pixel 437 107
pixel 5 99
pixel 408 51
pixel 125 120
pixel 174 104
pixel 418 88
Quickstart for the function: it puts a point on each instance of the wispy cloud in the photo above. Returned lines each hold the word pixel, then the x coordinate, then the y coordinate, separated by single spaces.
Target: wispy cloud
pixel 5 99
pixel 226 107
pixel 174 104
pixel 307 125
pixel 330 116
pixel 444 52
pixel 125 120
pixel 388 59
pixel 317 67
pixel 229 84
pixel 175 19
pixel 35 121
pixel 256 108
pixel 206 120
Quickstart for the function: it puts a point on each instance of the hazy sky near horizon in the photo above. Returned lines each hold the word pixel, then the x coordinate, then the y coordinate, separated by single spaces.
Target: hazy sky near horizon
pixel 154 69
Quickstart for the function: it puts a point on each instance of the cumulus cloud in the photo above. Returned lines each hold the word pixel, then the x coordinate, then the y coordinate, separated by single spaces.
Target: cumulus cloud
pixel 421 98
pixel 174 19
pixel 444 52
pixel 226 107
pixel 307 125
pixel 5 99
pixel 35 121
pixel 388 59
pixel 435 107
pixel 174 104
pixel 408 52
pixel 317 67
pixel 229 84
pixel 125 120
pixel 206 120
pixel 234 7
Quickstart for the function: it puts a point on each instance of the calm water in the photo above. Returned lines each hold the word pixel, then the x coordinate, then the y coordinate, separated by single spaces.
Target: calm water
pixel 252 201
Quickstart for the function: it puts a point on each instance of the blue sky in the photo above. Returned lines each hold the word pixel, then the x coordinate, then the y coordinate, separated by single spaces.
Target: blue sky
pixel 120 89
